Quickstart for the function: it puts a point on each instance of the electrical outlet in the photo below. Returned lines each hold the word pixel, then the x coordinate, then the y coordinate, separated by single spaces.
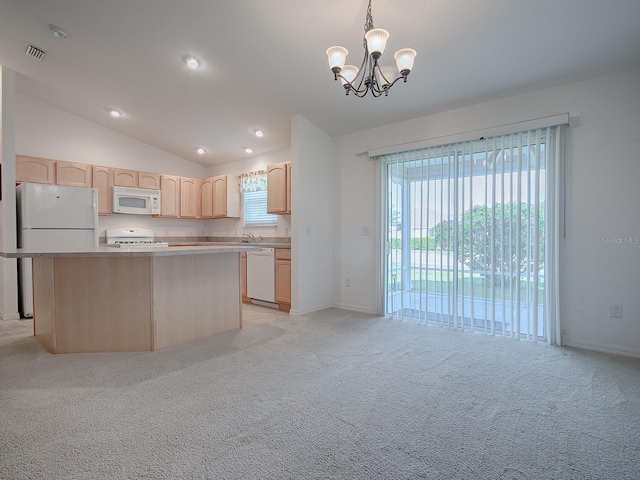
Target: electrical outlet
pixel 308 230
pixel 365 232
pixel 347 282
pixel 615 310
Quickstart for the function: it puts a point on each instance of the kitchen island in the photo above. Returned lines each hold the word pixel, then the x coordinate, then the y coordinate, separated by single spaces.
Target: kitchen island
pixel 108 299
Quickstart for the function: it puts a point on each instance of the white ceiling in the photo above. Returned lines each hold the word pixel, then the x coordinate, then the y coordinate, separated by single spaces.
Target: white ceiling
pixel 264 60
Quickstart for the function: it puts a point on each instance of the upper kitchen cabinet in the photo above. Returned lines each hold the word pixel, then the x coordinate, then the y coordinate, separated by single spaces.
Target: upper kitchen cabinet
pixel 189 194
pixel 125 178
pixel 170 196
pixel 102 181
pixel 34 170
pixel 73 174
pixel 206 198
pixel 149 180
pixel 134 179
pixel 289 187
pixel 279 188
pixel 226 196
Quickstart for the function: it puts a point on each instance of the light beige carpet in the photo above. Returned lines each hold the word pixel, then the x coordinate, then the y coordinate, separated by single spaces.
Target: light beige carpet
pixel 330 395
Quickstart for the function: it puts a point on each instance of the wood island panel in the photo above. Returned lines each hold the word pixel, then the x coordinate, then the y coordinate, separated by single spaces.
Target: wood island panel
pixel 112 303
pixel 195 297
pixel 43 312
pixel 98 304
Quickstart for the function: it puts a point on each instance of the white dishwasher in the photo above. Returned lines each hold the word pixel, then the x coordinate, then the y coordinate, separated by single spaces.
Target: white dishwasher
pixel 261 275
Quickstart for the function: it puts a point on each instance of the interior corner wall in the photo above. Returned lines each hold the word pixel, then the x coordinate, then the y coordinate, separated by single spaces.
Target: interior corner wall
pixel 311 222
pixel 601 261
pixel 8 266
pixel 43 130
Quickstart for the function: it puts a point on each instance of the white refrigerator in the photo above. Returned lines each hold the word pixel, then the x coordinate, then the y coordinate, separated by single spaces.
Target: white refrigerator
pixel 52 217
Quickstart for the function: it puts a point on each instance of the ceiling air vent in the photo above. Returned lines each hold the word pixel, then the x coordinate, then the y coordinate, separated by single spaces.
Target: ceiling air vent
pixel 34 51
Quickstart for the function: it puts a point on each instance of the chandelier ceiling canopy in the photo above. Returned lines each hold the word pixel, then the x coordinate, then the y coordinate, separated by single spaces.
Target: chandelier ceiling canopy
pixel 370 77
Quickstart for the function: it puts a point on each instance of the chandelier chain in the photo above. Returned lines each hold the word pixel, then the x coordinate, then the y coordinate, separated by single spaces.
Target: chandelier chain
pixel 369 21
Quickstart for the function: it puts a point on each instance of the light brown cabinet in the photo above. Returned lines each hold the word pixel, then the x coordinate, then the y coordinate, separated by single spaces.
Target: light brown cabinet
pixel 226 196
pixel 102 180
pixel 125 178
pixel 34 170
pixel 289 187
pixel 206 198
pixel 73 174
pixel 149 180
pixel 170 196
pixel 279 188
pixel 189 194
pixel 283 278
pixel 243 277
pixel 182 197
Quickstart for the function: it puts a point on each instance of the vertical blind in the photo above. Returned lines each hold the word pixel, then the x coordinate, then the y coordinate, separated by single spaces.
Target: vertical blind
pixel 470 231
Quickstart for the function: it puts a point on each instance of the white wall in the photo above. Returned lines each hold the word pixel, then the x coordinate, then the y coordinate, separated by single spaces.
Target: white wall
pixel 8 266
pixel 602 201
pixel 312 223
pixel 233 227
pixel 46 131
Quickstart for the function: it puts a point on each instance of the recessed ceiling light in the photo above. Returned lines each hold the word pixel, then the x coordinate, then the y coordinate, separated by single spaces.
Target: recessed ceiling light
pixel 192 61
pixel 115 113
pixel 201 151
pixel 57 31
pixel 259 133
pixel 248 150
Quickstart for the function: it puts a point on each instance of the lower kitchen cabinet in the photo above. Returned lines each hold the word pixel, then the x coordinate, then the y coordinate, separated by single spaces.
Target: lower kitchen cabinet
pixel 243 277
pixel 283 278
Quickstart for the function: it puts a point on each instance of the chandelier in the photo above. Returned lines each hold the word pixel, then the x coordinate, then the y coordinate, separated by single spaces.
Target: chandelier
pixel 370 77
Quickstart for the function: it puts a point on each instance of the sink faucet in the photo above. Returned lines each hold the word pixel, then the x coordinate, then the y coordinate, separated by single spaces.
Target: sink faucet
pixel 252 239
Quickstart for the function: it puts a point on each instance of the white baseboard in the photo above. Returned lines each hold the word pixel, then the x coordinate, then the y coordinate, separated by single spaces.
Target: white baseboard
pixel 355 308
pixel 310 310
pixel 13 316
pixel 626 352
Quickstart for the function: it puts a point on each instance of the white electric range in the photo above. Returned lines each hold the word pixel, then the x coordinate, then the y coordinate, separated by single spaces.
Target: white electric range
pixel 132 238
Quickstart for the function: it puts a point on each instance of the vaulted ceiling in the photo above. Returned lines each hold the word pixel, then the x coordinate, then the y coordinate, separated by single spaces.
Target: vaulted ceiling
pixel 264 60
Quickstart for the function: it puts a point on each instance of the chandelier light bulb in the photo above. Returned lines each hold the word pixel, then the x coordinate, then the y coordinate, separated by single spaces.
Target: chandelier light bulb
pixel 376 41
pixel 337 57
pixel 386 75
pixel 349 74
pixel 404 60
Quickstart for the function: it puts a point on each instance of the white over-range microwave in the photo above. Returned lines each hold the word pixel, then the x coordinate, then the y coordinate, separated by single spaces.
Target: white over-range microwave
pixel 136 201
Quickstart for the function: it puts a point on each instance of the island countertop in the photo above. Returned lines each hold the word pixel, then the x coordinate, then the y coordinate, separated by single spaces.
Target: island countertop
pixel 107 252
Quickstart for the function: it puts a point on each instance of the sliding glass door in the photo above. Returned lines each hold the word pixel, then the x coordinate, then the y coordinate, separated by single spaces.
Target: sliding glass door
pixel 466 234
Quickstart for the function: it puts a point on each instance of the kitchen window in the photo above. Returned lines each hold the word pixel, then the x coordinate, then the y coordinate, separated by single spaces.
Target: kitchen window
pixel 255 210
pixel 253 186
